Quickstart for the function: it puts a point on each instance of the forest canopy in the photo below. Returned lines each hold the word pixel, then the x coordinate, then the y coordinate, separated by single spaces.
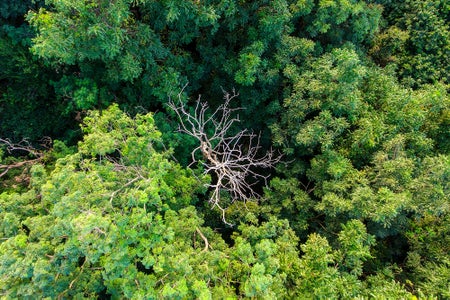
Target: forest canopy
pixel 225 149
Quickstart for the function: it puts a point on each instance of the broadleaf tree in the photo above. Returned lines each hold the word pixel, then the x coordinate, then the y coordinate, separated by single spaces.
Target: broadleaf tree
pixel 353 93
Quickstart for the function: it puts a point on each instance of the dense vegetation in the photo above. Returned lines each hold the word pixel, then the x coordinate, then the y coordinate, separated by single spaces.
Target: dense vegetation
pixel 100 196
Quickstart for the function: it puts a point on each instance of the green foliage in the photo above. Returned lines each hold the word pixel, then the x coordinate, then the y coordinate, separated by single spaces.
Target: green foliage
pixel 142 51
pixel 328 273
pixel 12 11
pixel 90 204
pixel 373 150
pixel 286 201
pixel 417 38
pixel 333 18
pixel 103 26
pixel 428 256
pixel 353 92
pixel 115 218
pixel 368 137
pixel 28 107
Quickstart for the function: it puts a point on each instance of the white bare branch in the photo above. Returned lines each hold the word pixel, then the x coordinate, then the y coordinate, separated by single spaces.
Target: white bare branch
pixel 25 147
pixel 233 159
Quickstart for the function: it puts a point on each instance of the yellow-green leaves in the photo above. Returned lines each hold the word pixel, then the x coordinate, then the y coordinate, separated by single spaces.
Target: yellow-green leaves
pixel 100 222
pixel 80 30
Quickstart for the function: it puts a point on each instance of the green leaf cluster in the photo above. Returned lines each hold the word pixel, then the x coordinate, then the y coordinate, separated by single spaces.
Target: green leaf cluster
pixel 353 93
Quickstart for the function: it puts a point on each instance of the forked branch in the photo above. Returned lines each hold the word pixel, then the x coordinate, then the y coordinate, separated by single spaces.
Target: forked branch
pixel 233 159
pixel 25 147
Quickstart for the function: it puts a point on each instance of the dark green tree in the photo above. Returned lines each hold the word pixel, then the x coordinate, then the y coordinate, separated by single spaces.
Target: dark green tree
pixel 28 106
pixel 416 37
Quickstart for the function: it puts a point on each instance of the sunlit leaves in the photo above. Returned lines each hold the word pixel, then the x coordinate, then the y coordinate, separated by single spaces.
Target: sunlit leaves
pixel 61 37
pixel 366 157
pixel 98 210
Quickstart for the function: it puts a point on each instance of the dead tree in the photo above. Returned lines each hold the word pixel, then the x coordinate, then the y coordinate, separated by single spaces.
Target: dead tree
pixel 233 159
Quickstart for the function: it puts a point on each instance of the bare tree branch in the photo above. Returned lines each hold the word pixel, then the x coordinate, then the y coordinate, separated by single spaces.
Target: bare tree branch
pixel 233 158
pixel 204 239
pixel 23 146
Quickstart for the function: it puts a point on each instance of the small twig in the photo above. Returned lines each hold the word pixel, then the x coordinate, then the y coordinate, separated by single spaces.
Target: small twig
pixel 204 239
pixel 161 279
pixel 113 194
pixel 74 280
